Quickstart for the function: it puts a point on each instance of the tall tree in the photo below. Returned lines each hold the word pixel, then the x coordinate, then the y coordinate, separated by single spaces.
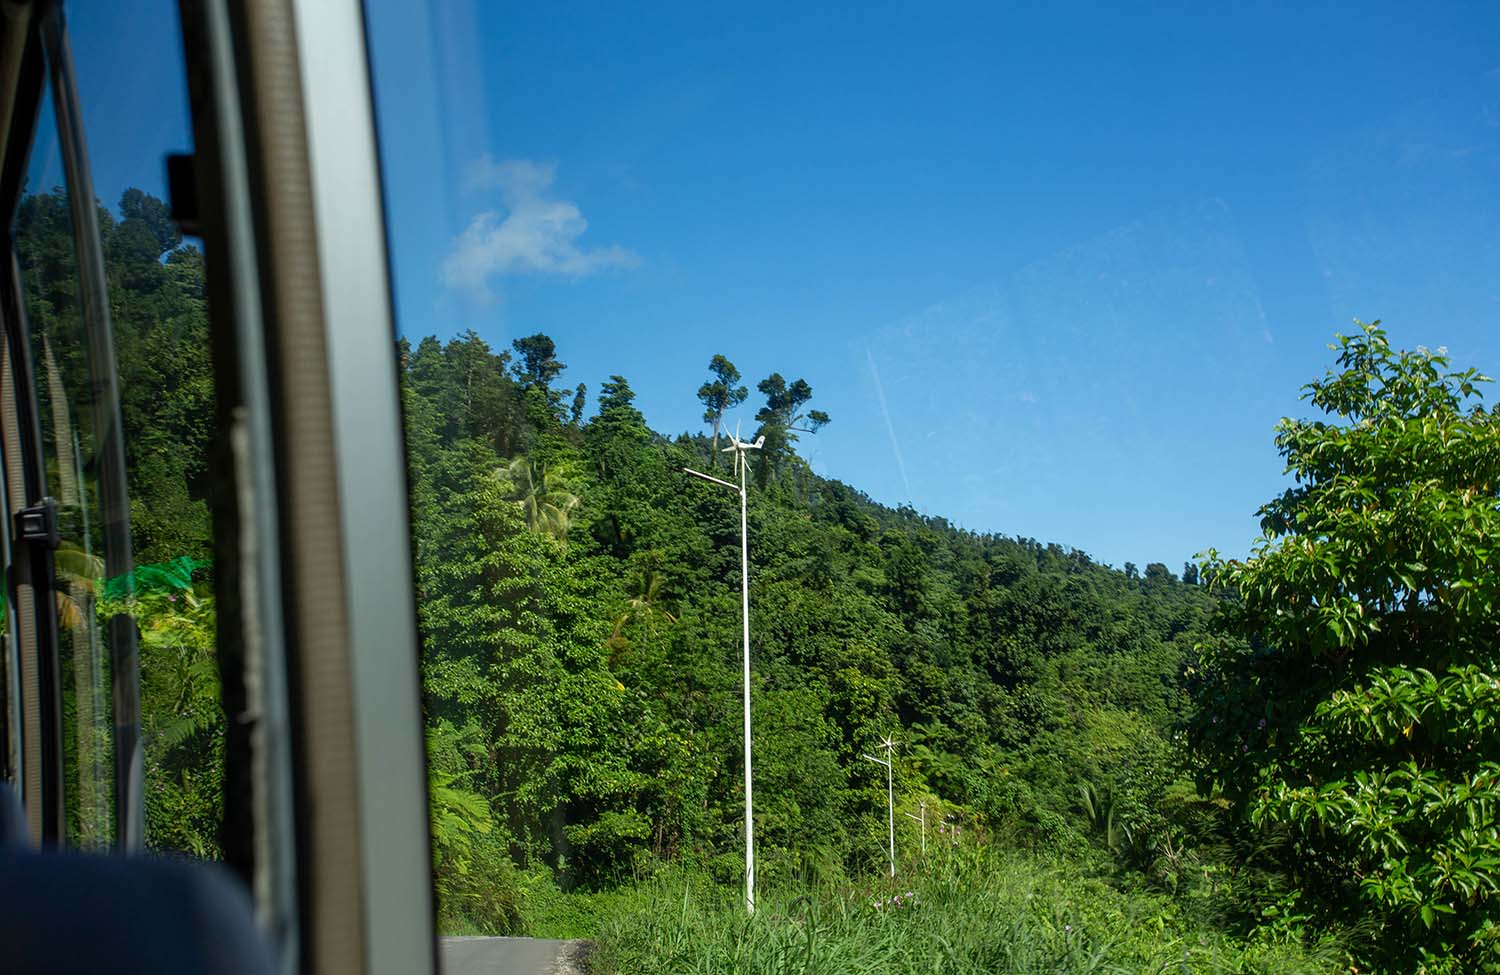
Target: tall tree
pixel 477 402
pixel 720 394
pixel 580 401
pixel 645 606
pixel 538 364
pixel 616 435
pixel 784 406
pixel 781 419
pixel 616 396
pixel 1353 697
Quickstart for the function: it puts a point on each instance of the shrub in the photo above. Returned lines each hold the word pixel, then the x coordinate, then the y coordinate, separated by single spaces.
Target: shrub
pixel 1352 697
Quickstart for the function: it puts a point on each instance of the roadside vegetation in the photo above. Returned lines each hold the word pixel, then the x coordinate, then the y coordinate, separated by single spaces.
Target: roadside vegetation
pixel 1000 913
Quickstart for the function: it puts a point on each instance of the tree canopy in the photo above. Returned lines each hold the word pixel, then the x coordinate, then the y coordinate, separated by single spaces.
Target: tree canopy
pixel 720 394
pixel 1350 699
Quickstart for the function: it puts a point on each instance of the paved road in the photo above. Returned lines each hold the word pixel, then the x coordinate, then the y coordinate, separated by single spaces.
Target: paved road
pixel 509 956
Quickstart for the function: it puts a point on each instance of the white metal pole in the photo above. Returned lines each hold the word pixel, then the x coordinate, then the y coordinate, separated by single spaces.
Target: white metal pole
pixel 890 802
pixel 740 462
pixel 745 603
pixel 890 798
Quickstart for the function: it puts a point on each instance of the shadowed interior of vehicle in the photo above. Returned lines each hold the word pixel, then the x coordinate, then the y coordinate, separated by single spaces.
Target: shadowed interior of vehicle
pixel 142 914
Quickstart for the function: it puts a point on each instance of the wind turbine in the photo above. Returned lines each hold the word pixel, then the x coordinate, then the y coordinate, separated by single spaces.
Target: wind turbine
pixel 739 447
pixel 889 745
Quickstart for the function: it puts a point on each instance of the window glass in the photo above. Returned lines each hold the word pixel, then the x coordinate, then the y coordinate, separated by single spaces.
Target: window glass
pixel 161 599
pixel 132 87
pixel 69 425
pixel 951 363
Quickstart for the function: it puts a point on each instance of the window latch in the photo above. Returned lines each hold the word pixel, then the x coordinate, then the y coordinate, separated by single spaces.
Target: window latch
pixel 182 188
pixel 38 523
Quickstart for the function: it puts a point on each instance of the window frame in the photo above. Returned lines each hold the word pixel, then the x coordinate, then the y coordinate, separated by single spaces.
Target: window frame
pixel 35 730
pixel 109 448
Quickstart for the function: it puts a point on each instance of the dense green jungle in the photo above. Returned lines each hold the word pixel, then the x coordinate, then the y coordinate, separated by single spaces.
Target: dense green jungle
pixel 1280 763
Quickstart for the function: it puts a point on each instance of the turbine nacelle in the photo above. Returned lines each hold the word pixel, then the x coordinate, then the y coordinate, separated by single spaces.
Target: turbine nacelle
pixel 738 447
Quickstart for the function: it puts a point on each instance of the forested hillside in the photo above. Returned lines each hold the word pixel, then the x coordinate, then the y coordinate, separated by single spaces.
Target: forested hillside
pixel 579 599
pixel 1288 765
pixel 579 606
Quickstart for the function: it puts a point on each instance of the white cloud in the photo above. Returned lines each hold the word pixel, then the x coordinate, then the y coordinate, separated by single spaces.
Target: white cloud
pixel 531 234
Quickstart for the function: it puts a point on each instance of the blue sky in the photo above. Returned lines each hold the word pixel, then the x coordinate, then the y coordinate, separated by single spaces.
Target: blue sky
pixel 1054 269
pixel 128 62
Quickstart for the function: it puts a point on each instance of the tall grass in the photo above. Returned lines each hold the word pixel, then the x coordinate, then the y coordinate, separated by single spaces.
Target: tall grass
pixel 1001 916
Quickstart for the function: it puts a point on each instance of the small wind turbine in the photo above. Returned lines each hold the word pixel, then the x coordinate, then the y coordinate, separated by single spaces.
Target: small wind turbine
pixel 739 447
pixel 889 745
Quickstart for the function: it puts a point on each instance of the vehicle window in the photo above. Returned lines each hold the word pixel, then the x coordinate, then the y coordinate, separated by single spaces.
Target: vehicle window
pixel 990 488
pixel 134 567
pixel 49 279
pixel 159 322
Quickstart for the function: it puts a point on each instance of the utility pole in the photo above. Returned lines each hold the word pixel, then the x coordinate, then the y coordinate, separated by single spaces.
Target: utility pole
pixel 738 447
pixel 890 795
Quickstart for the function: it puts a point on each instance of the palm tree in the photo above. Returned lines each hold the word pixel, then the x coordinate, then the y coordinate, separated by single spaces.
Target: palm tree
pixel 644 608
pixel 545 499
pixel 1102 809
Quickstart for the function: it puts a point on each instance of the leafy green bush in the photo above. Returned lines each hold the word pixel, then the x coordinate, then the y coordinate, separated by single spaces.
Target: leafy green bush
pixel 476 885
pixel 1351 698
pixel 182 716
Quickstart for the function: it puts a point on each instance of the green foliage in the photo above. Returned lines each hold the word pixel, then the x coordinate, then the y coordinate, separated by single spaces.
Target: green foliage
pixel 182 718
pixel 546 503
pixel 160 328
pixel 598 680
pixel 983 915
pixel 578 605
pixel 781 419
pixel 720 394
pixel 476 886
pixel 1351 696
pixel 538 364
